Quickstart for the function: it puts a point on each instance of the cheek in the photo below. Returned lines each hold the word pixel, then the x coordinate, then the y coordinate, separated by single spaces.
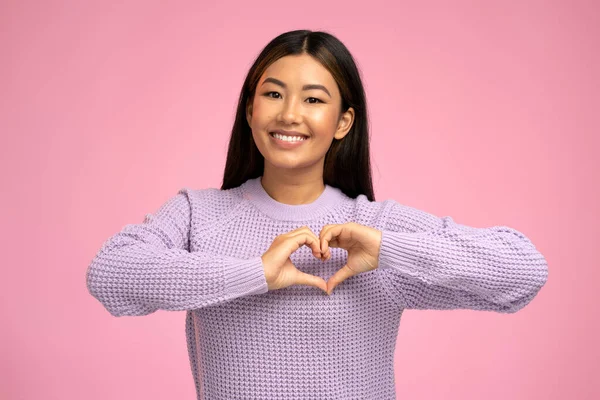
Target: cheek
pixel 325 120
pixel 261 114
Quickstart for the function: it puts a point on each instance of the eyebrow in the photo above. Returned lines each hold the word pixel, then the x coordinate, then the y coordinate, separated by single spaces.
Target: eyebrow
pixel 305 87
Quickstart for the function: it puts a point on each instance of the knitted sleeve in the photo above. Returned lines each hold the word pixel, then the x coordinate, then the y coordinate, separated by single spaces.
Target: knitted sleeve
pixel 147 267
pixel 427 262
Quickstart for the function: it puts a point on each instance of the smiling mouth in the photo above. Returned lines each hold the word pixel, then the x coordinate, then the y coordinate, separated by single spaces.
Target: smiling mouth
pixel 288 138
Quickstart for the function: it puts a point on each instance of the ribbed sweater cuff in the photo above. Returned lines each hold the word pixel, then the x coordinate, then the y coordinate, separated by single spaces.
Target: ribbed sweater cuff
pixel 399 250
pixel 245 277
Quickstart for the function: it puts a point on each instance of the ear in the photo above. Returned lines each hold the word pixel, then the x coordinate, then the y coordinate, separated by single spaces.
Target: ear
pixel 344 124
pixel 249 112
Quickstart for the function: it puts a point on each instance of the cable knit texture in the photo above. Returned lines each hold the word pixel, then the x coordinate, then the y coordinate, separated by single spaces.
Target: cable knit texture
pixel 201 252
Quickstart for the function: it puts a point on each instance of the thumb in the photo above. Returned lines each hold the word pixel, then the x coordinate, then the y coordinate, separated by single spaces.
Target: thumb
pixel 303 278
pixel 341 275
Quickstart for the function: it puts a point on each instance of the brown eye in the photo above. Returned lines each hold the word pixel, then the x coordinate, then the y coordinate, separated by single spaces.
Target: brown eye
pixel 268 93
pixel 314 98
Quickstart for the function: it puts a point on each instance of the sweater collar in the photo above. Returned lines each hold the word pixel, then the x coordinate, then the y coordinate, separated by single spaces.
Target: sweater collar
pixel 254 192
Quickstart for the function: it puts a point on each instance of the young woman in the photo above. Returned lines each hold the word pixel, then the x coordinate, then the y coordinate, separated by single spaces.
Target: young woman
pixel 255 263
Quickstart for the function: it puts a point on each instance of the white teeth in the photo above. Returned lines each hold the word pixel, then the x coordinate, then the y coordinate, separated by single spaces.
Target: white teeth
pixel 289 138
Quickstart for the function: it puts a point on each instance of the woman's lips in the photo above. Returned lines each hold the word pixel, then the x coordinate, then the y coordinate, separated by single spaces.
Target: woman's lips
pixel 289 133
pixel 284 144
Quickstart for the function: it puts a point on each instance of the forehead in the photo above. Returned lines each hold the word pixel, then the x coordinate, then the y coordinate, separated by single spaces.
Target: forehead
pixel 298 70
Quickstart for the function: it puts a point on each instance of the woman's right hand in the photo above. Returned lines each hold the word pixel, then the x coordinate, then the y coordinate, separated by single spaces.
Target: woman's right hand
pixel 279 270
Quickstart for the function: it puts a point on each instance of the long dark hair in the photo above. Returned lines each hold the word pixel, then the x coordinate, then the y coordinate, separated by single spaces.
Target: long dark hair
pixel 347 162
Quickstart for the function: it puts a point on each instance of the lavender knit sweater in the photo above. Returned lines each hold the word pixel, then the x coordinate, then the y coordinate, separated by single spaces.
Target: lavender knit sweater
pixel 201 252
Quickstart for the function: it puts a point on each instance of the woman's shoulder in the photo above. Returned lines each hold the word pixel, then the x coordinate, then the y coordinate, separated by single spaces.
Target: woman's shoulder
pixel 391 213
pixel 210 203
pixel 210 193
pixel 371 212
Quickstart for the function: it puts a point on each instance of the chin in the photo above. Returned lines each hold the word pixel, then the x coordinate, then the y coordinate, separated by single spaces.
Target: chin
pixel 291 163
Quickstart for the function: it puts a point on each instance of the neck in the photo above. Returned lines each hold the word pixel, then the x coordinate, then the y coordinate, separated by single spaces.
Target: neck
pixel 293 188
pixel 255 193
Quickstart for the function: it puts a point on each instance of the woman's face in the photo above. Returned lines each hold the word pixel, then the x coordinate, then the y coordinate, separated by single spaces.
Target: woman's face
pixel 296 93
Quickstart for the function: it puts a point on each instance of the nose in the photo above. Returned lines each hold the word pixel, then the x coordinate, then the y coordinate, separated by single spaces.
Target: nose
pixel 289 113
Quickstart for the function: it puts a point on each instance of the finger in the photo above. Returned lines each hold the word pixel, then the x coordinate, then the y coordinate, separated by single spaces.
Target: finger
pixel 303 278
pixel 306 229
pixel 341 275
pixel 315 245
pixel 308 239
pixel 323 242
pixel 327 235
pixel 302 229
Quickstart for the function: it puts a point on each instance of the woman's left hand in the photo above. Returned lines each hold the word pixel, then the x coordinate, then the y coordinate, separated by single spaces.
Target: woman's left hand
pixel 362 244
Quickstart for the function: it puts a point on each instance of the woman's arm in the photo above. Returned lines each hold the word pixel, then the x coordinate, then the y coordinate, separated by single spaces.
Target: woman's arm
pixel 427 262
pixel 148 267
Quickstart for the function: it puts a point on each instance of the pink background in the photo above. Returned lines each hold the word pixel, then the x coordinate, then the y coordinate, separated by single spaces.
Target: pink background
pixel 485 111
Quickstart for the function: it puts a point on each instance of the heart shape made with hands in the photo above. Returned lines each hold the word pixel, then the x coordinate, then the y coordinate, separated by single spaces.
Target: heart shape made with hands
pixel 362 243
